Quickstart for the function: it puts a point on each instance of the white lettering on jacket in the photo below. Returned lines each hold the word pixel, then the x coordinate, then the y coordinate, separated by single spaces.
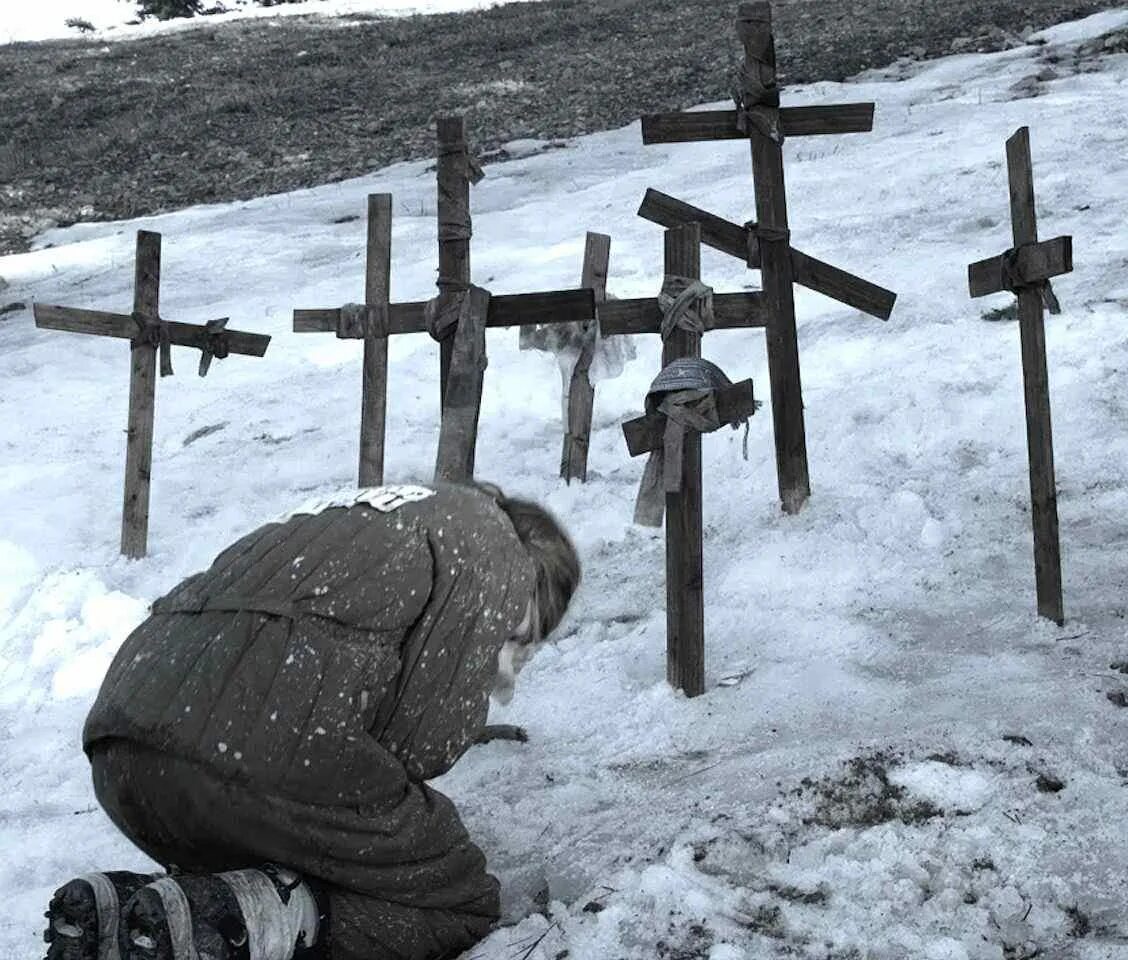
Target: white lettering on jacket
pixel 384 499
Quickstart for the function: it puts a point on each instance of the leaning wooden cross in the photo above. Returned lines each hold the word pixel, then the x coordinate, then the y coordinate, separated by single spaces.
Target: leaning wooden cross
pixel 765 243
pixel 578 340
pixel 457 318
pixel 1025 270
pixel 148 334
pixel 688 398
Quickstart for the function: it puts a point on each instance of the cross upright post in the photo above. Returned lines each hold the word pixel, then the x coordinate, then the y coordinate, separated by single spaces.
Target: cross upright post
pixel 456 171
pixel 1025 270
pixel 142 398
pixel 685 598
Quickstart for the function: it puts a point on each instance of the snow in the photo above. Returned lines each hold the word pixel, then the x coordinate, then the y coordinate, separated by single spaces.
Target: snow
pixel 117 19
pixel 894 756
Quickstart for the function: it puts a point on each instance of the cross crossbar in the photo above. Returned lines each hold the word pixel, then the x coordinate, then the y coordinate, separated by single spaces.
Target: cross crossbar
pixel 505 310
pixel 643 315
pixel 741 242
pixel 699 125
pixel 103 323
pixel 1027 264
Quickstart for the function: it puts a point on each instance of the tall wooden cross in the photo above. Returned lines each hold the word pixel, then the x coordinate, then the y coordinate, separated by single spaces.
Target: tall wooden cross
pixel 681 479
pixel 765 243
pixel 1025 270
pixel 457 317
pixel 148 334
pixel 578 392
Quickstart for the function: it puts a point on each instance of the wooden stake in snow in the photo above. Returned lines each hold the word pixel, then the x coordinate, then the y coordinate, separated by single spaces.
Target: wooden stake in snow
pixel 580 340
pixel 765 243
pixel 148 334
pixel 685 406
pixel 457 318
pixel 1025 270
pixel 368 322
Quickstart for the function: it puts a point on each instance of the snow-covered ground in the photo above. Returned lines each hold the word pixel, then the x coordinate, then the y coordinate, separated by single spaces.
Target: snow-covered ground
pixel 895 757
pixel 47 19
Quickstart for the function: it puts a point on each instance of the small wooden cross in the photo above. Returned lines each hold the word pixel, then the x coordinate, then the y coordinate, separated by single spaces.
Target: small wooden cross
pixel 457 317
pixel 148 334
pixel 1025 270
pixel 685 601
pixel 577 388
pixel 759 119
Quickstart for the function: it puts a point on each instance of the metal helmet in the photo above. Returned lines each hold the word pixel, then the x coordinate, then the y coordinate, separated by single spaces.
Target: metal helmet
pixel 686 373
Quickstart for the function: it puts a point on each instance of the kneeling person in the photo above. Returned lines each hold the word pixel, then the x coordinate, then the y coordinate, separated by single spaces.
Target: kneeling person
pixel 277 717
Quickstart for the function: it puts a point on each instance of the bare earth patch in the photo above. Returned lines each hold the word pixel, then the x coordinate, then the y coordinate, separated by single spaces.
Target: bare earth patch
pixel 97 131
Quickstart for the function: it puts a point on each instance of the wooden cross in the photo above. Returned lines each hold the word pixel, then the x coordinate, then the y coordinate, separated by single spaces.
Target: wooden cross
pixel 457 317
pixel 1025 270
pixel 765 243
pixel 148 334
pixel 578 390
pixel 685 601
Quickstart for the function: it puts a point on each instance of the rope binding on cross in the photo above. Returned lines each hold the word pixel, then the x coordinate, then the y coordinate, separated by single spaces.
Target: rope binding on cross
pixel 155 333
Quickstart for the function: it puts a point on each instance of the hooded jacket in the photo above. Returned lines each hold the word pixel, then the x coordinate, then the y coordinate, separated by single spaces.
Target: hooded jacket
pixel 323 656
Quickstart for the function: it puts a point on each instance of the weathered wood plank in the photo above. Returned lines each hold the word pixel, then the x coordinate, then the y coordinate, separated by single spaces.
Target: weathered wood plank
pixel 1050 258
pixel 1036 392
pixel 580 393
pixel 642 315
pixel 506 310
pixel 454 231
pixel 374 371
pixel 644 434
pixel 462 400
pixel 142 396
pixel 754 28
pixel 103 323
pixel 735 240
pixel 700 125
pixel 716 232
pixel 685 597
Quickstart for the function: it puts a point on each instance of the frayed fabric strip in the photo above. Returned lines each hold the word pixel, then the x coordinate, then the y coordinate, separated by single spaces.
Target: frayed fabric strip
pixel 178 917
pixel 686 304
pixel 108 908
pixel 272 930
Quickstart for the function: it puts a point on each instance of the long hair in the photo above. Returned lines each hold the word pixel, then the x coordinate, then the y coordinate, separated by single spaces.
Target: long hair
pixel 554 558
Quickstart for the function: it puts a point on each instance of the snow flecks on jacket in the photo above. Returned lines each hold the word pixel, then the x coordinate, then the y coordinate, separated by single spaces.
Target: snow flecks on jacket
pixel 335 654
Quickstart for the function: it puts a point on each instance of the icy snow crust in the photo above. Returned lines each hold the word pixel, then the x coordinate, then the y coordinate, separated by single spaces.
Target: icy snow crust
pixel 895 757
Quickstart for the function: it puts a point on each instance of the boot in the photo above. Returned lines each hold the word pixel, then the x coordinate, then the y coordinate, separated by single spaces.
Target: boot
pixel 268 913
pixel 83 918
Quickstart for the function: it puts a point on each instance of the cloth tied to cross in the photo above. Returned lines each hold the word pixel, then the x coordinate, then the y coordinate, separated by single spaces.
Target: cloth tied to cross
pixel 1013 280
pixel 684 410
pixel 156 333
pixel 686 304
pixel 755 92
pixel 456 226
pixel 215 344
pixel 358 320
pixel 452 313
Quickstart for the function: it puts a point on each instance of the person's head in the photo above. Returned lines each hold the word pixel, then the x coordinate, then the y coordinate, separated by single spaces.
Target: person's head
pixel 557 568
